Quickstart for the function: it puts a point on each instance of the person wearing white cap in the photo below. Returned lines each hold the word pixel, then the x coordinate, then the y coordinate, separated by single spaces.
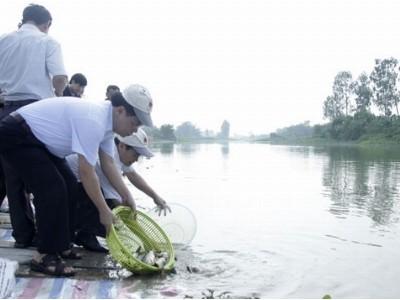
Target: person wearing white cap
pixel 35 139
pixel 127 151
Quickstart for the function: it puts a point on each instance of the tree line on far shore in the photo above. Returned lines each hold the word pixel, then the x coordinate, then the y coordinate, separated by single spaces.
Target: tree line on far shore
pixel 365 108
pixel 187 131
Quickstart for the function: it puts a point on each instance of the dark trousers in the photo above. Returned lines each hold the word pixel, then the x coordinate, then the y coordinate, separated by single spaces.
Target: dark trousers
pixel 2 185
pixel 88 219
pixel 49 179
pixel 21 214
pixel 2 179
pixel 3 191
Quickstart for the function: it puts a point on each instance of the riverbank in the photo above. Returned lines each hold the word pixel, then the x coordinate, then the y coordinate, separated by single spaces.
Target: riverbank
pixel 364 141
pixel 99 277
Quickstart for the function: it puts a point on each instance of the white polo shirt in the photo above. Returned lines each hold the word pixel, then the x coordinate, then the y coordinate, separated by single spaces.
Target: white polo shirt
pixel 67 125
pixel 29 59
pixel 108 190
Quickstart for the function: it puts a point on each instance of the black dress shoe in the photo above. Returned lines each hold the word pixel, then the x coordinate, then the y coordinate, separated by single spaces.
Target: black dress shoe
pixel 23 245
pixel 20 245
pixel 89 242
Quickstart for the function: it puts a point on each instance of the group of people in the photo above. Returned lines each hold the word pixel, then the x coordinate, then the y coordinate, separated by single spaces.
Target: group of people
pixel 65 154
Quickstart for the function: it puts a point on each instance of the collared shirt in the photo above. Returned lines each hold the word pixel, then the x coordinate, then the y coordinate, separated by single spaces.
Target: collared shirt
pixel 67 125
pixel 28 60
pixel 108 190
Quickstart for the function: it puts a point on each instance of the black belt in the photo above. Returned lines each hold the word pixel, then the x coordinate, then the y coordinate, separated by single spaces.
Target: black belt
pixel 17 117
pixel 20 120
pixel 19 102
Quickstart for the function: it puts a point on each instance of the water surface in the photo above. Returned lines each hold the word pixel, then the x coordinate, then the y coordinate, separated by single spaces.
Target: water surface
pixel 281 221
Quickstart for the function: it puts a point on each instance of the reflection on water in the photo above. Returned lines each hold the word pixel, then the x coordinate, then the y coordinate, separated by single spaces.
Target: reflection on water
pixel 225 149
pixel 187 148
pixel 362 180
pixel 167 148
pixel 164 148
pixel 275 220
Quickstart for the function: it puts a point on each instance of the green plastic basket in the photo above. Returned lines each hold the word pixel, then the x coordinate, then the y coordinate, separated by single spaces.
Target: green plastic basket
pixel 132 234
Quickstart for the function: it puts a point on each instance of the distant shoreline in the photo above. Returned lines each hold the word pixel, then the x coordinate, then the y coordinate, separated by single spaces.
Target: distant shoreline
pixel 370 141
pixel 365 141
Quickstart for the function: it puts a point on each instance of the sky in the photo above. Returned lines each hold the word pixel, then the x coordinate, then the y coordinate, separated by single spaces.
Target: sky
pixel 260 65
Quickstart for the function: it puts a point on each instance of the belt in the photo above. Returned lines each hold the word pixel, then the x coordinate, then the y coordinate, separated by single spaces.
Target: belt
pixel 17 117
pixel 19 102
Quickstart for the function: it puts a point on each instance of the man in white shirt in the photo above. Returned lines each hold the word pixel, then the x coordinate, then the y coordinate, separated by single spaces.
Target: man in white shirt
pixel 31 68
pixel 127 151
pixel 31 63
pixel 35 140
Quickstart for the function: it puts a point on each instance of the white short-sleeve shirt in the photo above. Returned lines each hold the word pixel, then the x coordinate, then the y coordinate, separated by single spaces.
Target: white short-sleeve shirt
pixel 108 190
pixel 67 125
pixel 29 59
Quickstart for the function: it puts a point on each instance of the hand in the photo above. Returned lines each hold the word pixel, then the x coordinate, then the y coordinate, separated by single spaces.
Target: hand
pixel 131 203
pixel 161 206
pixel 107 218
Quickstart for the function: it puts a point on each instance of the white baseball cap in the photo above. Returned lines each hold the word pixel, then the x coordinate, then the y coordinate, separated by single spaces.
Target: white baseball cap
pixel 139 141
pixel 139 97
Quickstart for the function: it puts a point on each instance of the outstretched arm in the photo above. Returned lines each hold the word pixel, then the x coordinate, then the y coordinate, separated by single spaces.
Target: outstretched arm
pixel 142 185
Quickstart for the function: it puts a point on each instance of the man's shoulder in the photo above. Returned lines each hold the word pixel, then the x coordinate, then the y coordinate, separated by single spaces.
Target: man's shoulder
pixel 51 40
pixel 29 37
pixel 8 36
pixel 40 37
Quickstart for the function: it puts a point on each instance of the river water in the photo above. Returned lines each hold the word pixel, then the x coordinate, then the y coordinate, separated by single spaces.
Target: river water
pixel 281 221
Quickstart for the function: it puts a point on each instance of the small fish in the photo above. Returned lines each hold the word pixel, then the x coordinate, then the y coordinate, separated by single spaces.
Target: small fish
pixel 162 254
pixel 160 262
pixel 150 258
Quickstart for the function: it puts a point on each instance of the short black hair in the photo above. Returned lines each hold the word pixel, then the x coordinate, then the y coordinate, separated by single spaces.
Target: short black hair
pixel 36 13
pixel 79 79
pixel 112 87
pixel 118 100
pixel 117 141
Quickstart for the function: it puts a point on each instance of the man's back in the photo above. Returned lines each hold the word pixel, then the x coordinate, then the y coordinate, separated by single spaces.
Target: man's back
pixel 69 125
pixel 28 59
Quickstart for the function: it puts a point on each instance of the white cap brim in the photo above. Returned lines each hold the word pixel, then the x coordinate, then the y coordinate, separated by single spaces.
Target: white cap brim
pixel 144 118
pixel 144 151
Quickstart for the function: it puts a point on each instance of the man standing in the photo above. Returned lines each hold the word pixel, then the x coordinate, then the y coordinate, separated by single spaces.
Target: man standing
pixel 31 68
pixel 31 64
pixel 35 140
pixel 76 86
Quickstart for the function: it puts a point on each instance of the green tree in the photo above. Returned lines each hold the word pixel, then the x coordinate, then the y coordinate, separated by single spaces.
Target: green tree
pixel 153 132
pixel 296 131
pixel 225 128
pixel 208 133
pixel 383 78
pixel 187 131
pixel 167 132
pixel 332 108
pixel 342 90
pixel 363 92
